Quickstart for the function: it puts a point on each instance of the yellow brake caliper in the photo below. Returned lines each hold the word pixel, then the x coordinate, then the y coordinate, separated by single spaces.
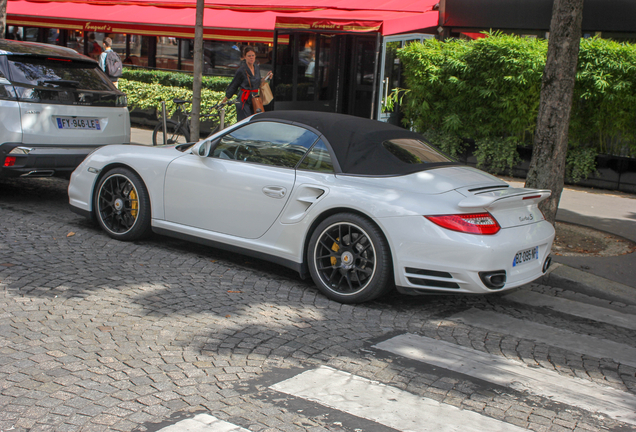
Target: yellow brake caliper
pixel 335 248
pixel 134 203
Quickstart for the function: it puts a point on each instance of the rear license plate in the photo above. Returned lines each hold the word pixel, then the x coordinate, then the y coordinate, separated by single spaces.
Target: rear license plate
pixel 526 256
pixel 78 123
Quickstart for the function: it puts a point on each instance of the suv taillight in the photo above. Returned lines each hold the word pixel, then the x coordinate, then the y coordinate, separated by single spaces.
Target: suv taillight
pixel 122 101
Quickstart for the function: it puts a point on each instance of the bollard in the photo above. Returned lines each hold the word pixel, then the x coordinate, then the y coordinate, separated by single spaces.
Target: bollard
pixel 163 117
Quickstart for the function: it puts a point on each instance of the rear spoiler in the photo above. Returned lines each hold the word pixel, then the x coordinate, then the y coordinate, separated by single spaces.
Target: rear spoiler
pixel 503 198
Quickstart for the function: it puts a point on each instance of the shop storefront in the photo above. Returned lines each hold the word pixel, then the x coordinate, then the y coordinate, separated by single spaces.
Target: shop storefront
pixel 327 55
pixel 345 66
pixel 324 59
pixel 144 36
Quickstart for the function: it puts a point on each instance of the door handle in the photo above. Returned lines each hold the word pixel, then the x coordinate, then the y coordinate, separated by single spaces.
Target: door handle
pixel 275 191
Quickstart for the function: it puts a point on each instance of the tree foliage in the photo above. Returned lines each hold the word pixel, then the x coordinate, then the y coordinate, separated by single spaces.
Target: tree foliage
pixel 489 90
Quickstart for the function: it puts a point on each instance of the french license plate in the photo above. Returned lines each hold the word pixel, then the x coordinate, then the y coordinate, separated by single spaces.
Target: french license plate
pixel 526 256
pixel 78 123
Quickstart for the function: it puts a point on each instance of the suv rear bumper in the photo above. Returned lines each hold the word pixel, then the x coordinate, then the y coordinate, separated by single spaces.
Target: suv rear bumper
pixel 33 161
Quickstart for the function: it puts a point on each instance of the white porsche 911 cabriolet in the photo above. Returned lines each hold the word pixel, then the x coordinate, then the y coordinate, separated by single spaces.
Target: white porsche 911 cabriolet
pixel 359 205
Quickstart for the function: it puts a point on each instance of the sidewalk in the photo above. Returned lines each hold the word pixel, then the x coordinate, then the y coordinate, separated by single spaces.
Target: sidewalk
pixel 140 136
pixel 612 278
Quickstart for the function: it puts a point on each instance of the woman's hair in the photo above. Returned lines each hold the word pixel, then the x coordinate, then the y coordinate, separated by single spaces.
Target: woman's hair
pixel 247 49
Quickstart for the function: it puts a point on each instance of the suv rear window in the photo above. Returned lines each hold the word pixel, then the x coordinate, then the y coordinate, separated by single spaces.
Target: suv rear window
pixel 46 71
pixel 63 81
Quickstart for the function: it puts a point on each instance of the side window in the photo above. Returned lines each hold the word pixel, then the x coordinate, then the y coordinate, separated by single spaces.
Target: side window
pixel 318 159
pixel 267 143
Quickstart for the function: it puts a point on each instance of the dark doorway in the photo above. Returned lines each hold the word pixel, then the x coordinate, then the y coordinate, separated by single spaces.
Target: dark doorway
pixel 325 72
pixel 360 63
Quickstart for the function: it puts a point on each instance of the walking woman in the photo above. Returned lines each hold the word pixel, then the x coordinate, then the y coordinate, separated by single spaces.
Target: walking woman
pixel 247 81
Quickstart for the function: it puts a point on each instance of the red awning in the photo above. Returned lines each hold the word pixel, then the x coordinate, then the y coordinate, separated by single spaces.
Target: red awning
pixel 388 23
pixel 235 20
pixel 142 20
pixel 271 5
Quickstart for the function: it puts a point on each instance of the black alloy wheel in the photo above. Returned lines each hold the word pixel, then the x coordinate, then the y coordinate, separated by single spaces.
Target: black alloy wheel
pixel 349 259
pixel 122 205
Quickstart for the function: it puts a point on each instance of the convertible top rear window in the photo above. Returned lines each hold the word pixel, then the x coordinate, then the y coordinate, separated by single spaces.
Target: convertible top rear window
pixel 412 151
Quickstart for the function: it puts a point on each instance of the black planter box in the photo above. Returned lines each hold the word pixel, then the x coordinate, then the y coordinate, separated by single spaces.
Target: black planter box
pixel 612 172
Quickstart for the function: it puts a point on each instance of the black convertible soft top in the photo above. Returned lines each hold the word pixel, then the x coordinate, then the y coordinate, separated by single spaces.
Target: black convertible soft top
pixel 357 142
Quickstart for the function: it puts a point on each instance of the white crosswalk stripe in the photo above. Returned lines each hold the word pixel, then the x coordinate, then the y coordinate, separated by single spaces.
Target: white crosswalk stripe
pixel 572 307
pixel 203 423
pixel 524 329
pixel 384 404
pixel 515 375
pixel 406 412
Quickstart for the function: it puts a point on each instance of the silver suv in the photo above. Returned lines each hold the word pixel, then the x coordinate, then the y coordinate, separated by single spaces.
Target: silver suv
pixel 56 106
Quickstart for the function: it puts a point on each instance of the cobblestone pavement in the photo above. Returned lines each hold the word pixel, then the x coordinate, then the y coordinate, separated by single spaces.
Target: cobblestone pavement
pixel 97 335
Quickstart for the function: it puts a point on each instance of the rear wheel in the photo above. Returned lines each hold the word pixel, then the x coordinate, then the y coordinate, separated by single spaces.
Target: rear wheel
pixel 122 205
pixel 349 259
pixel 175 134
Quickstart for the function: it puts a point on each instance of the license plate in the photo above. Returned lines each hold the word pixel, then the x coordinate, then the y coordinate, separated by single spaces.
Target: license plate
pixel 526 256
pixel 78 123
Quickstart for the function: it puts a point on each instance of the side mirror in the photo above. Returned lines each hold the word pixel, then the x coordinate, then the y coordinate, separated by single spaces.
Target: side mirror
pixel 204 148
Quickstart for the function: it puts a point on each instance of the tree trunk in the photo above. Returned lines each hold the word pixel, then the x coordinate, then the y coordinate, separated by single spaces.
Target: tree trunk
pixel 547 166
pixel 198 73
pixel 3 17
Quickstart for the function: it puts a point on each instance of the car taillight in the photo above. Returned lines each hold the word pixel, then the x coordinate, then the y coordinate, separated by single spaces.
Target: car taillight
pixel 9 161
pixel 122 101
pixel 476 223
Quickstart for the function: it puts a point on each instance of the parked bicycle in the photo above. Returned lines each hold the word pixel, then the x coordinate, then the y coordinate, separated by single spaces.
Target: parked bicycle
pixel 178 131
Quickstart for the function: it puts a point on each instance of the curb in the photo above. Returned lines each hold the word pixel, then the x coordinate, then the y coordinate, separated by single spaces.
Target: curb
pixel 562 276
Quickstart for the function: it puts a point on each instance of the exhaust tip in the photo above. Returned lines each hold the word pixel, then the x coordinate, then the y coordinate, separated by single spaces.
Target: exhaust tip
pixel 493 280
pixel 39 173
pixel 546 264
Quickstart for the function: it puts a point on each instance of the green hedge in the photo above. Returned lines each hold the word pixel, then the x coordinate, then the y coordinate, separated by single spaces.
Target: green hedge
pixel 489 90
pixel 174 79
pixel 143 96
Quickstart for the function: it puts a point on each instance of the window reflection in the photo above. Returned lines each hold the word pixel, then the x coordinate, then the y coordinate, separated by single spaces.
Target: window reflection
pixel 40 72
pixel 267 143
pixel 412 151
pixel 318 159
pixel 167 53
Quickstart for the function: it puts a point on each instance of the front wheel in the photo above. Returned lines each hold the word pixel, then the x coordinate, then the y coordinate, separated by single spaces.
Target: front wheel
pixel 349 259
pixel 175 133
pixel 122 205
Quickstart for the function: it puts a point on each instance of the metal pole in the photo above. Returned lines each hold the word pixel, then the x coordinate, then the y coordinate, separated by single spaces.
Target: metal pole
pixel 222 118
pixel 163 117
pixel 377 72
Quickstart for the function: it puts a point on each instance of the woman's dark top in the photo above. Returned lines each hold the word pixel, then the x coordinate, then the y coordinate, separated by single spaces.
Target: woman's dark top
pixel 240 80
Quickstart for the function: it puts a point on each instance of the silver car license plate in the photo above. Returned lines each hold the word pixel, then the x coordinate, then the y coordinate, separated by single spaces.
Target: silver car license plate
pixel 526 256
pixel 78 123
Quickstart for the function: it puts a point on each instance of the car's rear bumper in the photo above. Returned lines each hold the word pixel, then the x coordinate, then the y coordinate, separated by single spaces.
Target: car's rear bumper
pixel 429 259
pixel 34 161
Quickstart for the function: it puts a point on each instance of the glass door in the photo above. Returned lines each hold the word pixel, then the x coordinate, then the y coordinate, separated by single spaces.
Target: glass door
pixel 306 74
pixel 391 77
pixel 362 71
